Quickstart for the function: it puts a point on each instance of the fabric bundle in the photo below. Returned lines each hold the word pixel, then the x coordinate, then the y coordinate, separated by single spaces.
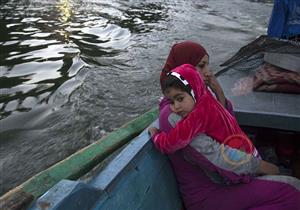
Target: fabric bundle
pixel 271 78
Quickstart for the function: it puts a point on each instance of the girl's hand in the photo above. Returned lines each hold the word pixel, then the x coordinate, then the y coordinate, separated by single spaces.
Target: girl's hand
pixel 152 131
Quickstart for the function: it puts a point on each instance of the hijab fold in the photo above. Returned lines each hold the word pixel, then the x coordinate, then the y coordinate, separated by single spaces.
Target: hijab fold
pixel 187 52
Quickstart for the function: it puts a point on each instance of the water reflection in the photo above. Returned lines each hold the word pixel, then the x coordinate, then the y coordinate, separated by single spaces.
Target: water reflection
pixel 65 8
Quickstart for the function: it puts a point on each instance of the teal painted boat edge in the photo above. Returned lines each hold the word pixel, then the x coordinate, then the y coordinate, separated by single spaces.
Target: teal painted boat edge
pixel 145 182
pixel 268 120
pixel 66 195
pixel 139 177
pixel 136 148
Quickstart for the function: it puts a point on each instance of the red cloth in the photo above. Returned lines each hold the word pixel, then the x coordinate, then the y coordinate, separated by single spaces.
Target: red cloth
pixel 186 52
pixel 274 79
pixel 208 116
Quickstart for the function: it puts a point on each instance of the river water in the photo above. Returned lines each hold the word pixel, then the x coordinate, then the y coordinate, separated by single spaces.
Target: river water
pixel 73 70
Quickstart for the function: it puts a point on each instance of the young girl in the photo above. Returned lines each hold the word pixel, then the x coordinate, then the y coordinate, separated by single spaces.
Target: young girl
pixel 202 113
pixel 189 52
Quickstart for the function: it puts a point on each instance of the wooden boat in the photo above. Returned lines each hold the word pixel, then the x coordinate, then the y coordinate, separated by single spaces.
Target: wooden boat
pixel 82 162
pixel 139 177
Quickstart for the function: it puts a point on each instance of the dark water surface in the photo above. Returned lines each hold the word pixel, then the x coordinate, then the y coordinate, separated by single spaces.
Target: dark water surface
pixel 73 70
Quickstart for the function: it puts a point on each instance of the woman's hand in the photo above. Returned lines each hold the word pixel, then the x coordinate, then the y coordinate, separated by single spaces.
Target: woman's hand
pixel 152 131
pixel 267 168
pixel 212 82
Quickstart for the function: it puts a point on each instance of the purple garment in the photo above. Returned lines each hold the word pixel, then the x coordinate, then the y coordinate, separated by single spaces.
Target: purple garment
pixel 200 193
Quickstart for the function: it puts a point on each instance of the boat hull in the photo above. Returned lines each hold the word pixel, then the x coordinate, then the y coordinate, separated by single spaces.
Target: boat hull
pixel 139 177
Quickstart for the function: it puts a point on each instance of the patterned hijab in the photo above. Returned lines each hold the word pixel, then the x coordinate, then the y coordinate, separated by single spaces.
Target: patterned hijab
pixel 186 52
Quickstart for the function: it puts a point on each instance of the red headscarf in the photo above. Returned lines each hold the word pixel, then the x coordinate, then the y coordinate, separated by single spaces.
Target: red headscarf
pixel 208 116
pixel 186 52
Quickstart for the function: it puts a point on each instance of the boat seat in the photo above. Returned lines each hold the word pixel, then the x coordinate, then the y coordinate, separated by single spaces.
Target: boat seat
pixel 261 109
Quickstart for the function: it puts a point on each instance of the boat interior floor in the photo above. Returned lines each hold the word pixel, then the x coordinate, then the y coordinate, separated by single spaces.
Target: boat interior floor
pixel 280 147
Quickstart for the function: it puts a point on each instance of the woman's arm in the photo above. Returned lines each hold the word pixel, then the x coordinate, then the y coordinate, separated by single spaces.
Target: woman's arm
pixel 233 165
pixel 216 88
pixel 214 85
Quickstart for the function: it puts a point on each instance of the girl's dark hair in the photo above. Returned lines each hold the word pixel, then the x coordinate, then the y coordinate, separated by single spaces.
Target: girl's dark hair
pixel 173 82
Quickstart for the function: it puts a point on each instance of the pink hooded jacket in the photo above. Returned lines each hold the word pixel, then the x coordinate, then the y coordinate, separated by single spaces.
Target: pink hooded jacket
pixel 208 117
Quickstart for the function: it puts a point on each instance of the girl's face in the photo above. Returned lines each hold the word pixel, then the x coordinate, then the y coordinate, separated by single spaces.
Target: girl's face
pixel 202 67
pixel 181 102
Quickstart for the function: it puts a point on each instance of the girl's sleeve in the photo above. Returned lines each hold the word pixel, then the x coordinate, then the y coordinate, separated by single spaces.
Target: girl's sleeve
pixel 181 135
pixel 183 130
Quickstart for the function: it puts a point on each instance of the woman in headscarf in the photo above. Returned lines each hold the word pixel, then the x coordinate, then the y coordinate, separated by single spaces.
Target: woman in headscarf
pixel 202 181
pixel 189 52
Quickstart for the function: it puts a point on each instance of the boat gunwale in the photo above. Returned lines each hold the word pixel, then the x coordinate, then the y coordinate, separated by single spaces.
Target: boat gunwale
pixel 77 164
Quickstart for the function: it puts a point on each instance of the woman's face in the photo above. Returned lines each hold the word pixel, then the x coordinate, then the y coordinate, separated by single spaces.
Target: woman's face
pixel 202 67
